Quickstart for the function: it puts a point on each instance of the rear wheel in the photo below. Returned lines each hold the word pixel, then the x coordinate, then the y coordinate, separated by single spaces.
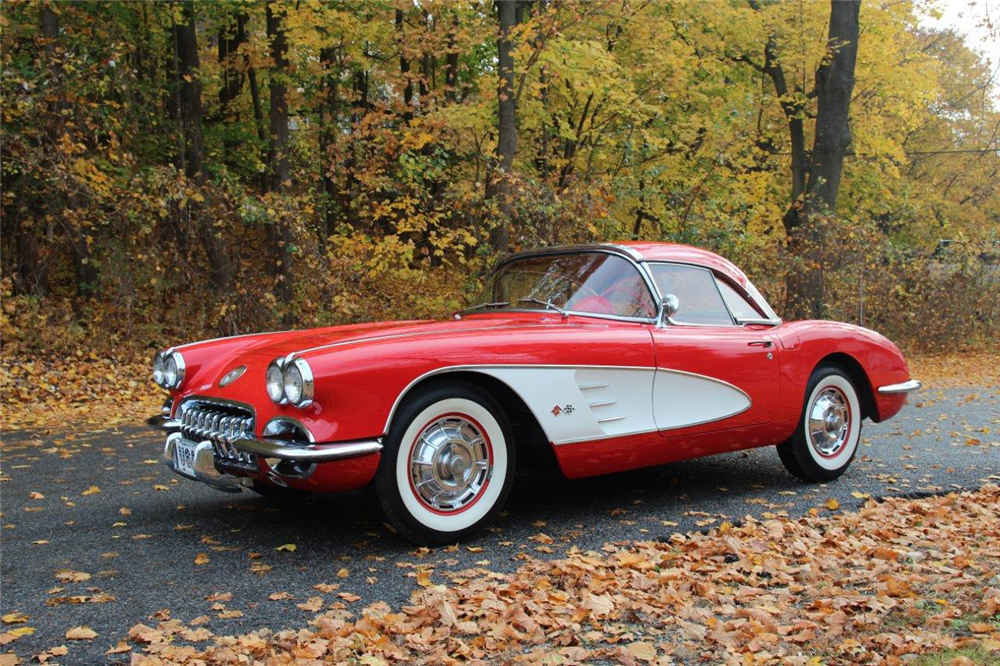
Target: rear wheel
pixel 829 429
pixel 447 464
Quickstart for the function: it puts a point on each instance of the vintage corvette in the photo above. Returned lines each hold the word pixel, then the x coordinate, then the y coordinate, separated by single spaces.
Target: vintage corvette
pixel 604 358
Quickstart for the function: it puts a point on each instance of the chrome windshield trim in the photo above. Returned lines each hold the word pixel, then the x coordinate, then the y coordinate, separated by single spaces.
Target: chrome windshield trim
pixel 576 313
pixel 904 387
pixel 625 254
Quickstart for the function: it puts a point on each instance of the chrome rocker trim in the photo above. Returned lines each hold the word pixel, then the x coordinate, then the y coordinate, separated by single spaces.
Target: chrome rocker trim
pixel 277 449
pixel 905 387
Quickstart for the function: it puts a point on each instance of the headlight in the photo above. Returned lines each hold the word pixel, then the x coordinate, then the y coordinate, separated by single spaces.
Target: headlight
pixel 275 380
pixel 173 371
pixel 158 367
pixel 298 381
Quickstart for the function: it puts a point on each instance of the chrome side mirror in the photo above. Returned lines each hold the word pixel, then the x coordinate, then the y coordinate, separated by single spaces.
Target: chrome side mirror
pixel 668 308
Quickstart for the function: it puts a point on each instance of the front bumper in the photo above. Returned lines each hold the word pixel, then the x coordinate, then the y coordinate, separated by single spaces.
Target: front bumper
pixel 204 466
pixel 275 452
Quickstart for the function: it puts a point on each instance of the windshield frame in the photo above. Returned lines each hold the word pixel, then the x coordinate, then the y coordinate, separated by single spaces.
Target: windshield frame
pixel 546 252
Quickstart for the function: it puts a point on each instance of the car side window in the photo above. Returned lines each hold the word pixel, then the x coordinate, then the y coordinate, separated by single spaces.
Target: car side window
pixel 696 291
pixel 738 305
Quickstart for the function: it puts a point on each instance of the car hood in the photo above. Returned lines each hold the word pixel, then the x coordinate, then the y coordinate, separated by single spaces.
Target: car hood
pixel 210 360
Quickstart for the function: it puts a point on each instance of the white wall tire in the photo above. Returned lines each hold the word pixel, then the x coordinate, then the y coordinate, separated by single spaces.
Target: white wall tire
pixel 447 464
pixel 829 428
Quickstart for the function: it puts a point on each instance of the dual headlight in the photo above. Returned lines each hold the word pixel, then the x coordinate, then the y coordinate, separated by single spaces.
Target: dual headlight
pixel 290 381
pixel 168 369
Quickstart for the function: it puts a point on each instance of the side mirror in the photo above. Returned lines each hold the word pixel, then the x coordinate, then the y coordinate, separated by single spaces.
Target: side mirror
pixel 669 307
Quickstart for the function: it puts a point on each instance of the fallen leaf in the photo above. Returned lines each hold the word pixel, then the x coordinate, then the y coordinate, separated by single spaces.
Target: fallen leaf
pixel 289 547
pixel 642 651
pixel 81 634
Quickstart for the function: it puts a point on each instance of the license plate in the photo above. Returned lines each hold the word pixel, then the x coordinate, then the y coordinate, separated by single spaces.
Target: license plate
pixel 184 456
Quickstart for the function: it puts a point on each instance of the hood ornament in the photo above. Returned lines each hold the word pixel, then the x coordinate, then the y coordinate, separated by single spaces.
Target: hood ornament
pixel 232 376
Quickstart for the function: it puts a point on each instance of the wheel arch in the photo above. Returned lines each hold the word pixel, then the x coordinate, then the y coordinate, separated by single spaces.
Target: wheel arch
pixel 532 446
pixel 856 373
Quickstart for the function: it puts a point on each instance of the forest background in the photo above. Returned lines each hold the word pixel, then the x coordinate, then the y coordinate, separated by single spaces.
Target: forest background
pixel 180 170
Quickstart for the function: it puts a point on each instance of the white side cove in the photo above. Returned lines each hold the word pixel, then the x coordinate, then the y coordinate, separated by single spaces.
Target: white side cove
pixel 682 399
pixel 584 403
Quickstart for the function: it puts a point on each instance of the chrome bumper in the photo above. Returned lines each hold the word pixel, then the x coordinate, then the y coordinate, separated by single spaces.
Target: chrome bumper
pixel 204 466
pixel 905 387
pixel 311 453
pixel 283 450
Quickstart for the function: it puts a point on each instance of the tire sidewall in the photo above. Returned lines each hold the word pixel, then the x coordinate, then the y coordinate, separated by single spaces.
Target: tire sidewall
pixel 814 464
pixel 393 485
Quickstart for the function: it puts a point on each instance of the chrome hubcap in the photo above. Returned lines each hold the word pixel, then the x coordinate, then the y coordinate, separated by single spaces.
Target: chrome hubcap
pixel 450 463
pixel 829 422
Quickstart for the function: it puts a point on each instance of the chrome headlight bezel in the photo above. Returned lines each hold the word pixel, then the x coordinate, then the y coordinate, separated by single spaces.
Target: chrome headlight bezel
pixel 177 359
pixel 277 365
pixel 159 365
pixel 301 367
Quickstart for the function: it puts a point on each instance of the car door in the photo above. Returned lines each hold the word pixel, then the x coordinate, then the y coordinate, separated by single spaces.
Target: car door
pixel 712 374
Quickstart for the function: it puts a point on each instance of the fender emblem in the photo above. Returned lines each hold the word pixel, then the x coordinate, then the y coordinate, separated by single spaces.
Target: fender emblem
pixel 557 410
pixel 232 376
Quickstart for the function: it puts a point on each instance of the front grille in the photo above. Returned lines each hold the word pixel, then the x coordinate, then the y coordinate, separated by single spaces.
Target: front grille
pixel 221 423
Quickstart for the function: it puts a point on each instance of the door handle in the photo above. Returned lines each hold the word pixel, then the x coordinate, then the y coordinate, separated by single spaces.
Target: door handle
pixel 760 343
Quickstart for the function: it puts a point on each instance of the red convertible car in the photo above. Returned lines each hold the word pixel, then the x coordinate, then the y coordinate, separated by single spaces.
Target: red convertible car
pixel 604 357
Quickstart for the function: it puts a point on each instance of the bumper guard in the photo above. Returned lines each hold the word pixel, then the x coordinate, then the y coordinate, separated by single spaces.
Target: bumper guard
pixel 905 387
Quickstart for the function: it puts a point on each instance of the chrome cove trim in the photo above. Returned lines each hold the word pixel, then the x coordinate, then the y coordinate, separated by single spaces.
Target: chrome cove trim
pixel 325 453
pixel 904 387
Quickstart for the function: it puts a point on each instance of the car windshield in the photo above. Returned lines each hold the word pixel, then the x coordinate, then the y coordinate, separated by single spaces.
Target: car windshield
pixel 585 282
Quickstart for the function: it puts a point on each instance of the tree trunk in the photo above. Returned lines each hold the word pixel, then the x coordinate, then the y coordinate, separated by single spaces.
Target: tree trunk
pixel 451 63
pixel 232 77
pixel 277 157
pixel 498 182
pixel 72 211
pixel 807 220
pixel 404 70
pixel 329 116
pixel 190 93
pixel 194 142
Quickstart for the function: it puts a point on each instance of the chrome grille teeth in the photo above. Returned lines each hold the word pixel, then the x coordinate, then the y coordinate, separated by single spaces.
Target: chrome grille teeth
pixel 216 423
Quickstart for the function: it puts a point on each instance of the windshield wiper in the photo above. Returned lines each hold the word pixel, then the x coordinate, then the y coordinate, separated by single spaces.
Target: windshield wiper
pixel 483 306
pixel 547 304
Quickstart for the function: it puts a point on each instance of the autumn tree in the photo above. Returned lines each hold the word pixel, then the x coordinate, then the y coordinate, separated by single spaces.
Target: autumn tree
pixel 499 185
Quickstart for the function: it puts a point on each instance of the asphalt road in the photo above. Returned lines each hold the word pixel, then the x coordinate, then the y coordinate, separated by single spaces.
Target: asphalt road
pixel 140 535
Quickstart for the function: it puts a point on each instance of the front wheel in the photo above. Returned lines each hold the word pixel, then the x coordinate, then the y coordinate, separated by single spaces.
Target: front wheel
pixel 447 464
pixel 829 429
